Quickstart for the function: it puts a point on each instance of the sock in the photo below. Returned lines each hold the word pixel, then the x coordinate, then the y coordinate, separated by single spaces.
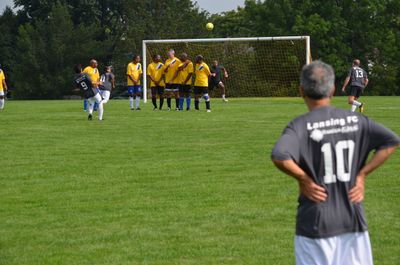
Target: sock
pixel 207 104
pixel 177 103
pixel 223 96
pixel 101 110
pixel 196 104
pixel 131 102
pixel 181 101
pixel 85 104
pixel 154 100
pixel 161 102
pixel 90 108
pixel 169 102
pixel 357 103
pixel 137 102
pixel 188 102
pixel 2 103
pixel 353 107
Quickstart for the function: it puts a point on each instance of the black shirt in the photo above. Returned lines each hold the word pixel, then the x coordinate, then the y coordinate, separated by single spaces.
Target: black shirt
pixel 218 71
pixel 84 83
pixel 331 146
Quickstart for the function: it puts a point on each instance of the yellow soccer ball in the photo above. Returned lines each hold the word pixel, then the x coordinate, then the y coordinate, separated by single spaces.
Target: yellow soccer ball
pixel 210 26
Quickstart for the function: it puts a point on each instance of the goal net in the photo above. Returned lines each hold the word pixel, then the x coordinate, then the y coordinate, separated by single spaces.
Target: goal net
pixel 257 67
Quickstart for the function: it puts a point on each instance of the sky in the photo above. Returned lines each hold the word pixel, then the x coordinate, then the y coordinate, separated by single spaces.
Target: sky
pixel 212 6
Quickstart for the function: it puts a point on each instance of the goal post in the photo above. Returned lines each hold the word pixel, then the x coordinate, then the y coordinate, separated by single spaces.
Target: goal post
pixel 258 67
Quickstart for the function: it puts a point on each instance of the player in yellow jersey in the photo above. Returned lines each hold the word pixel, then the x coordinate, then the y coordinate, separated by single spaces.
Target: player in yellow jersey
pixel 171 79
pixel 134 73
pixel 3 88
pixel 202 75
pixel 185 72
pixel 155 71
pixel 94 75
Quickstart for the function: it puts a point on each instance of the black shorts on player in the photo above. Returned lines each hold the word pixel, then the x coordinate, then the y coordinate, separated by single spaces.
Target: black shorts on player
pixel 172 87
pixel 356 91
pixel 199 90
pixel 157 90
pixel 185 89
pixel 214 84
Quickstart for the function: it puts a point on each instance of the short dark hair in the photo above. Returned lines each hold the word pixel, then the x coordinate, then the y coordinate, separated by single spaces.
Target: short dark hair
pixel 136 56
pixel 199 58
pixel 78 68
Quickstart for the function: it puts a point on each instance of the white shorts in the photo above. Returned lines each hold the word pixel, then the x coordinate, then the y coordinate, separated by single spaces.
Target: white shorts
pixel 95 99
pixel 106 95
pixel 1 92
pixel 346 249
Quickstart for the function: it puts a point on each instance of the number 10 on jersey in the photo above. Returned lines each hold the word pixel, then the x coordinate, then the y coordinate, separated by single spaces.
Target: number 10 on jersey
pixel 339 149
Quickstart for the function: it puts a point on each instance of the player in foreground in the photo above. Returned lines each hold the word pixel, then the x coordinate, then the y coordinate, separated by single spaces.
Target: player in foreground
pixel 94 75
pixel 358 79
pixel 216 79
pixel 155 71
pixel 3 88
pixel 83 82
pixel 202 74
pixel 326 150
pixel 134 73
pixel 107 84
pixel 171 79
pixel 185 72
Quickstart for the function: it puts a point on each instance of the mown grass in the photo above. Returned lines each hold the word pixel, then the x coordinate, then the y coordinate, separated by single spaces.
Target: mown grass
pixel 164 187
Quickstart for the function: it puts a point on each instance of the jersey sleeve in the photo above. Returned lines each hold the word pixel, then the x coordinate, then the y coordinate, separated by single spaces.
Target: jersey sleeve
pixel 207 70
pixel 150 70
pixel 128 70
pixel 350 72
pixel 288 146
pixel 190 68
pixel 381 137
pixel 140 69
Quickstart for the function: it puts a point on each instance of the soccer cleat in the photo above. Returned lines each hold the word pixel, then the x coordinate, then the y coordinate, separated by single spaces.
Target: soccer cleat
pixel 177 109
pixel 208 110
pixel 138 109
pixel 224 100
pixel 132 108
pixel 90 117
pixel 187 109
pixel 155 109
pixel 361 108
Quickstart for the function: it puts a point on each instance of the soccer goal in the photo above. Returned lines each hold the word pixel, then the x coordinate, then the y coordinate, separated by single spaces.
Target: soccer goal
pixel 257 67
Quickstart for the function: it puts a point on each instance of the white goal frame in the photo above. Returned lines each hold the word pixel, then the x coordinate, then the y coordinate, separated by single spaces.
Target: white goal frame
pixel 279 38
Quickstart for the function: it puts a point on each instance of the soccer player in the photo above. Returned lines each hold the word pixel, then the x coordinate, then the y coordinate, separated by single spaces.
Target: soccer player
pixel 3 88
pixel 94 75
pixel 202 75
pixel 83 82
pixel 358 80
pixel 107 84
pixel 326 151
pixel 185 72
pixel 155 71
pixel 171 79
pixel 134 73
pixel 216 79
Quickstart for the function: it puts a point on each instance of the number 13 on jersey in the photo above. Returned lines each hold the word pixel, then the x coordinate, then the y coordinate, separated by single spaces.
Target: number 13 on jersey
pixel 338 150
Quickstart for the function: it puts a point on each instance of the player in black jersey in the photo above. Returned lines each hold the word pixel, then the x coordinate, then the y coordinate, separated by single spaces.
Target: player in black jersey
pixel 218 74
pixel 326 151
pixel 83 82
pixel 358 80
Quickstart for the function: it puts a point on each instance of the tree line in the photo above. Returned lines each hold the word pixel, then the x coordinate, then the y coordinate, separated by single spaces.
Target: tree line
pixel 40 41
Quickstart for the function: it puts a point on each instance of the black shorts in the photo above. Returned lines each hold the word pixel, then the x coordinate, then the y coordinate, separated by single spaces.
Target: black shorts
pixel 157 90
pixel 356 91
pixel 172 87
pixel 200 90
pixel 185 89
pixel 214 84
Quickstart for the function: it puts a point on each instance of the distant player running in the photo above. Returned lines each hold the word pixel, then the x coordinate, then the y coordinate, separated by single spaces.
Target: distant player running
pixel 171 79
pixel 134 74
pixel 107 84
pixel 83 82
pixel 3 88
pixel 218 73
pixel 202 74
pixel 94 75
pixel 326 151
pixel 358 79
pixel 155 71
pixel 185 72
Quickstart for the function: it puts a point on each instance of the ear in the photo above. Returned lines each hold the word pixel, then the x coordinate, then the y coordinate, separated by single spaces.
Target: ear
pixel 301 90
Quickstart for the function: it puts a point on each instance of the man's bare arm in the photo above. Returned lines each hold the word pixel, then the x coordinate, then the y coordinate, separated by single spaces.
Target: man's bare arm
pixel 346 82
pixel 307 186
pixel 356 194
pixel 188 78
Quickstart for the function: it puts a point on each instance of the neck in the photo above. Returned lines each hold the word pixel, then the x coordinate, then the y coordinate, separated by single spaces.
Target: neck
pixel 317 103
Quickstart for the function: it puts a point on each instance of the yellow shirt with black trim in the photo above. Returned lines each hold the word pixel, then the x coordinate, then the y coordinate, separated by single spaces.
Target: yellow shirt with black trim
pixel 93 74
pixel 202 73
pixel 2 78
pixel 187 68
pixel 134 70
pixel 173 67
pixel 156 71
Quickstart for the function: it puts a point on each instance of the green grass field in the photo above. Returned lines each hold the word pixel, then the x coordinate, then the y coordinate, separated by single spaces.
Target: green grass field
pixel 164 187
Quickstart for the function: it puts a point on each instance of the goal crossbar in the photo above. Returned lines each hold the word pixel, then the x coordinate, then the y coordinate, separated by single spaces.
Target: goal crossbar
pixel 277 38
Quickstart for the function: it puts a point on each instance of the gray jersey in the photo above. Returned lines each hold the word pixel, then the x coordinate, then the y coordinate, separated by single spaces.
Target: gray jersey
pixel 106 79
pixel 331 146
pixel 357 76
